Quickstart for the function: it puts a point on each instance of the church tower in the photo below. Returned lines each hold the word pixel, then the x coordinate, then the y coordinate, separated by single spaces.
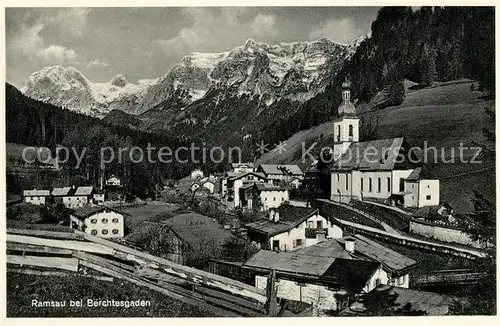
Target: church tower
pixel 347 126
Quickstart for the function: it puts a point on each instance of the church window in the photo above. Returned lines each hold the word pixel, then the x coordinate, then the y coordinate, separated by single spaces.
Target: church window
pixel 401 184
pixel 379 184
pixel 362 184
pixel 370 185
pixel 389 184
pixel 346 182
pixel 350 131
pixel 428 197
pixel 338 133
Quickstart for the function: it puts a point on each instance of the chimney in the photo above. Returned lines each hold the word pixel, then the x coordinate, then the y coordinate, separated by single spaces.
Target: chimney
pixel 350 244
pixel 271 215
pixel 276 216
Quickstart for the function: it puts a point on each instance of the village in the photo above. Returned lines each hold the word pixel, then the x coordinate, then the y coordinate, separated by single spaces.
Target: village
pixel 381 232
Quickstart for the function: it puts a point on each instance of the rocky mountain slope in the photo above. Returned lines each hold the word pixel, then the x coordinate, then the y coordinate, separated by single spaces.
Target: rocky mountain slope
pixel 69 88
pixel 296 71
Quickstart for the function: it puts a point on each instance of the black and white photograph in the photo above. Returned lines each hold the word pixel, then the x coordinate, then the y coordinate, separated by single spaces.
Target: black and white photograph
pixel 249 161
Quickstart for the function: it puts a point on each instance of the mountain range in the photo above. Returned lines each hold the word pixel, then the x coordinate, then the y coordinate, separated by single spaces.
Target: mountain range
pixel 295 71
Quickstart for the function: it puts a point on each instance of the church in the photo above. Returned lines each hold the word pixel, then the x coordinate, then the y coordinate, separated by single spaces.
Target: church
pixel 377 170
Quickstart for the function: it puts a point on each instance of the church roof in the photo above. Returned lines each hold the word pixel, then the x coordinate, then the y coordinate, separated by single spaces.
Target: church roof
pixel 346 108
pixel 376 155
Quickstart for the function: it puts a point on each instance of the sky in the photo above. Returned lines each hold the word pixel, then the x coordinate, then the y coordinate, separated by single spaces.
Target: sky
pixel 144 43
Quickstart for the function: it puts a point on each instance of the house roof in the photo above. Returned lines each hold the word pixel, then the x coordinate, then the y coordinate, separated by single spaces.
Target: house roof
pixel 423 301
pixel 64 191
pixel 36 192
pixel 351 273
pixel 84 191
pixel 268 187
pixel 283 169
pixel 379 154
pixel 236 176
pixel 236 165
pixel 342 269
pixel 290 261
pixel 420 173
pixel 389 259
pixel 196 229
pixel 289 217
pixel 86 211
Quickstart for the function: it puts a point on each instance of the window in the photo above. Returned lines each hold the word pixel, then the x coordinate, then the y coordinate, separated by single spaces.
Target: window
pixel 362 181
pixel 310 224
pixel 298 242
pixel 379 184
pixel 93 221
pixel 104 231
pixel 115 231
pixel 115 220
pixel 94 232
pixel 389 184
pixel 401 184
pixel 319 224
pixel 346 182
pixel 378 282
pixel 338 133
pixel 104 220
pixel 428 197
pixel 370 185
pixel 274 198
pixel 350 131
pixel 401 280
pixel 276 245
pixel 338 177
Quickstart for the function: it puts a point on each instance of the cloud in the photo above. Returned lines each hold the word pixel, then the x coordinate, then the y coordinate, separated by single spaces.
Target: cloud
pixel 71 20
pixel 214 29
pixel 57 52
pixel 28 43
pixel 264 24
pixel 338 30
pixel 96 63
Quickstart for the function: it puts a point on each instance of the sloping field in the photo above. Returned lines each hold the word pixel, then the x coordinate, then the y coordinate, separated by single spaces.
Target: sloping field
pixel 444 116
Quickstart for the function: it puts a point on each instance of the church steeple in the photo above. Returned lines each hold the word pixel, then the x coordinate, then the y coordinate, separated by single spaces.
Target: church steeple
pixel 346 108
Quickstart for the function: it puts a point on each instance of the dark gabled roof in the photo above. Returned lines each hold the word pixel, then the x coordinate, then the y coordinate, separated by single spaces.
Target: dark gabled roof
pixel 88 210
pixel 236 176
pixel 420 173
pixel 373 250
pixel 376 155
pixel 338 268
pixel 289 217
pixel 352 274
pixel 268 187
pixel 283 169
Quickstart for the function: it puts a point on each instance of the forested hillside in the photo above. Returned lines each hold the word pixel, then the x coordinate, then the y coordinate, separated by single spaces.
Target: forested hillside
pixel 34 123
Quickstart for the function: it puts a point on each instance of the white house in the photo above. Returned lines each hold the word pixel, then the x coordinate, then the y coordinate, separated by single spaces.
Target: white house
pixel 270 196
pixel 36 196
pixel 329 274
pixel 373 170
pixel 98 198
pixel 80 197
pixel 291 227
pixel 98 221
pixel 233 182
pixel 113 180
pixel 242 167
pixel 421 190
